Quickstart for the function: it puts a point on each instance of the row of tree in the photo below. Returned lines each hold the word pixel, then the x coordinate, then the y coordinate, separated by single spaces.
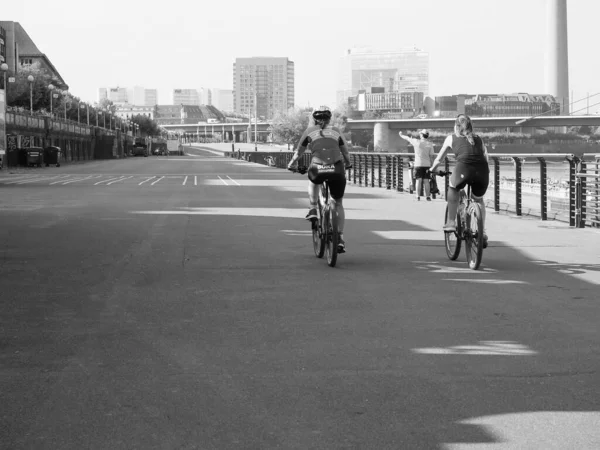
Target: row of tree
pixel 23 94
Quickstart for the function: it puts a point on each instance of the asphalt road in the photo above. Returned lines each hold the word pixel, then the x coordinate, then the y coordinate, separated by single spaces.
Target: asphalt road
pixel 155 303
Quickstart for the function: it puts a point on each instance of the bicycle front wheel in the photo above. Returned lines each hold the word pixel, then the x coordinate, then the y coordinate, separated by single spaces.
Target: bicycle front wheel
pixel 452 239
pixel 317 237
pixel 331 248
pixel 474 236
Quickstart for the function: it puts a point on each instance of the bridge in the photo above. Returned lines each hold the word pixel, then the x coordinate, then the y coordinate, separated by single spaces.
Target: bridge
pixel 385 131
pixel 164 302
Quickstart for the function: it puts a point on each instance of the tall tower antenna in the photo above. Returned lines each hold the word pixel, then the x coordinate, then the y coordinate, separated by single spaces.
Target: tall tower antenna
pixel 557 53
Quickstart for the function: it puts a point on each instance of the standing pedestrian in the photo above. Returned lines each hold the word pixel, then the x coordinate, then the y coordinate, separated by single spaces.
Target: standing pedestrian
pixel 424 157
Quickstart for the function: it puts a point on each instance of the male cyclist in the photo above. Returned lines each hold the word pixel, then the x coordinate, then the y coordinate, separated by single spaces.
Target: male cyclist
pixel 328 148
pixel 471 169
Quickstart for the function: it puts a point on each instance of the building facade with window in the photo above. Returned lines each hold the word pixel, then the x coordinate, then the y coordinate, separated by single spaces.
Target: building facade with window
pixel 222 99
pixel 497 105
pixel 186 97
pixel 21 51
pixel 401 70
pixel 263 84
pixel 2 45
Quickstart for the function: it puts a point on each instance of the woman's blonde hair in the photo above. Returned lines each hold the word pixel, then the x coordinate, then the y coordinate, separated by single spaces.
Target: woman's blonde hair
pixel 464 127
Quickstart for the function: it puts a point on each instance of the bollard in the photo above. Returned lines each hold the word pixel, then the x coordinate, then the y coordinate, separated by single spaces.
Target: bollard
pixel 518 183
pixel 543 189
pixel 496 184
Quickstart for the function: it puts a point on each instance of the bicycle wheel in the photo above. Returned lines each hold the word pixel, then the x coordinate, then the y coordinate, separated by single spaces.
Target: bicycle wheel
pixel 474 236
pixel 452 240
pixel 317 235
pixel 332 239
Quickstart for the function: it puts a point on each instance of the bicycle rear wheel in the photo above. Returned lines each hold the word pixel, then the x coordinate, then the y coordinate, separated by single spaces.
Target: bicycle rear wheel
pixel 474 236
pixel 452 239
pixel 317 236
pixel 332 240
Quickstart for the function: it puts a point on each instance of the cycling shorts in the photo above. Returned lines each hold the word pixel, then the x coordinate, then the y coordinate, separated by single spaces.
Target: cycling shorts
pixel 477 175
pixel 335 174
pixel 422 172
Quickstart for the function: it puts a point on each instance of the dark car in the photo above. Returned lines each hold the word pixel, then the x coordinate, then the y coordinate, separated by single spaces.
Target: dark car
pixel 139 150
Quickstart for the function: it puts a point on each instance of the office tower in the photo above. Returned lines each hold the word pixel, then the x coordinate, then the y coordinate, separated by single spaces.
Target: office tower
pixel 264 85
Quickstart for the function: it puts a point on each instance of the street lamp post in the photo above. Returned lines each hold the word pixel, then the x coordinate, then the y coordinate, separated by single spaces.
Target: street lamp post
pixel 51 89
pixel 4 69
pixel 30 79
pixel 104 118
pixel 65 93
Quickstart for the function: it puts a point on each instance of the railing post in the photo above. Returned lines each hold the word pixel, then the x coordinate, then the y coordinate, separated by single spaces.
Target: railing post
pixel 394 163
pixel 518 182
pixel 360 170
pixel 496 183
pixel 572 190
pixel 372 170
pixel 366 172
pixel 543 189
pixel 400 169
pixel 379 172
pixel 354 163
pixel 582 195
pixel 388 172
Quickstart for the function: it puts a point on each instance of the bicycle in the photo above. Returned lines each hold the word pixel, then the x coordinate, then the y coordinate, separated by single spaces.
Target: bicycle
pixel 325 240
pixel 469 228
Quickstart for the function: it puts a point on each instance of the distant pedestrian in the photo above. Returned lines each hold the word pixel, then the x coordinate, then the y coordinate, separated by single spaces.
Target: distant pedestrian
pixel 424 157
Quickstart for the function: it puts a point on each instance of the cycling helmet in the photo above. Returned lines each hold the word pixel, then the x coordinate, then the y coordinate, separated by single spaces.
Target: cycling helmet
pixel 322 113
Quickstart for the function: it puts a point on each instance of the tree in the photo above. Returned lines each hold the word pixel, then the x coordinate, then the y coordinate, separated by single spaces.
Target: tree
pixel 147 126
pixel 287 127
pixel 18 93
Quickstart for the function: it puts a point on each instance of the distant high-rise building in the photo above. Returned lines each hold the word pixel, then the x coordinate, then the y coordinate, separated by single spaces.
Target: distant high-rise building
pixel 362 69
pixel 205 95
pixel 117 95
pixel 150 97
pixel 186 97
pixel 268 79
pixel 222 99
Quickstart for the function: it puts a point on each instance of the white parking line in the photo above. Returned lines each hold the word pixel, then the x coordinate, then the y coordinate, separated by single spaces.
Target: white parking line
pixel 69 181
pixel 21 178
pixel 105 181
pixel 195 180
pixel 224 182
pixel 153 183
pixel 233 180
pixel 116 181
pixel 184 181
pixel 139 184
pixel 37 179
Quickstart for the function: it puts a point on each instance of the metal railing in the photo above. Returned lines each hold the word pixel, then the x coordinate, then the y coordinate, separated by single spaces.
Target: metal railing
pixel 546 185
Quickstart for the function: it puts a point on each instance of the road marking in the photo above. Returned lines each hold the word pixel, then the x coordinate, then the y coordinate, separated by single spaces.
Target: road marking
pixel 139 184
pixel 297 232
pixel 233 180
pixel 120 179
pixel 224 182
pixel 438 268
pixel 104 181
pixel 486 281
pixel 63 182
pixel 40 179
pixel 292 213
pixel 154 182
pixel 498 348
pixel 20 178
pixel 411 235
pixel 195 180
pixel 184 181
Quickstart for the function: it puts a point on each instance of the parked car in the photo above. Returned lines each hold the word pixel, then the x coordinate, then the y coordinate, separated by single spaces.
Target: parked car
pixel 139 149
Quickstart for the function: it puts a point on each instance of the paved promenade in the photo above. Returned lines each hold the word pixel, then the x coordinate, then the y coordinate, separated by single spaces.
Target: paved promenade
pixel 176 303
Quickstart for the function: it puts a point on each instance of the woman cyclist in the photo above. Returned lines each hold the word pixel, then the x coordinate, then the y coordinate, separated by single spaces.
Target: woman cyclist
pixel 328 148
pixel 471 168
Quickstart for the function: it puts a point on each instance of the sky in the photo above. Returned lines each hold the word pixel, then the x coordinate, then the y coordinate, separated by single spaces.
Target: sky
pixel 475 46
